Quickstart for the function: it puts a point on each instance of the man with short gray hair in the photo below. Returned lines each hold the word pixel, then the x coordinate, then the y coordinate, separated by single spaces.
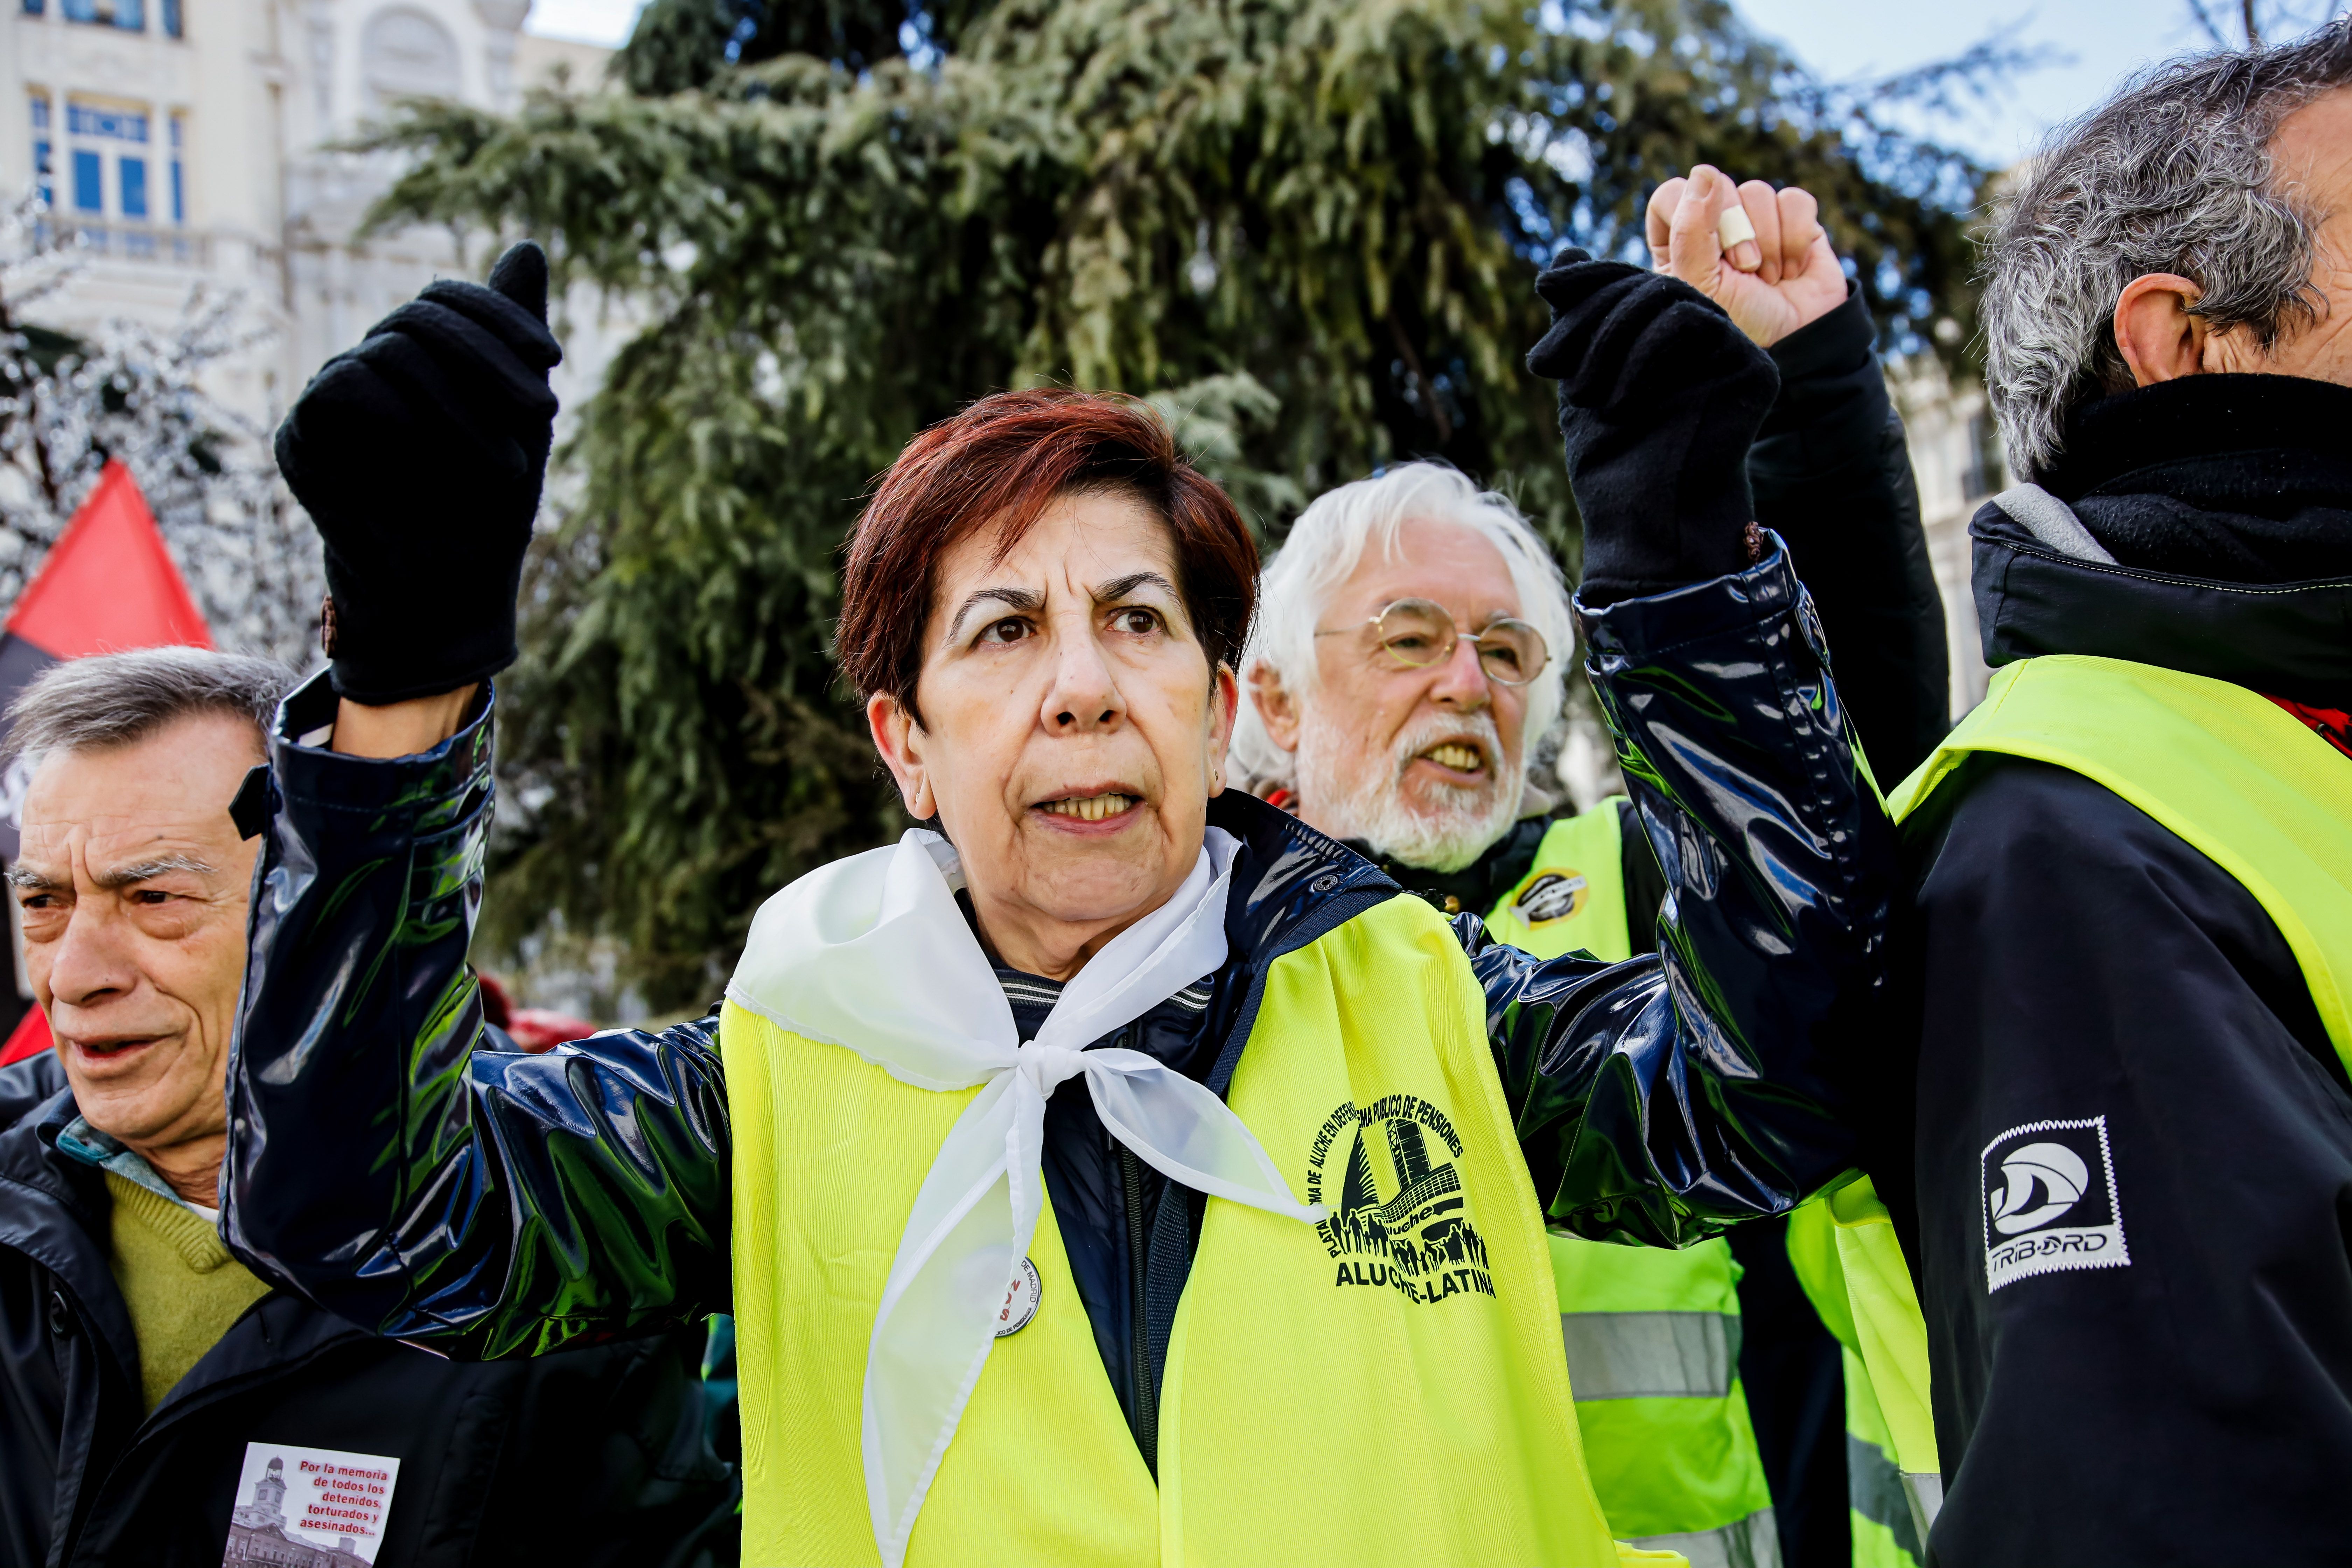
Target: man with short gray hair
pixel 153 1377
pixel 2120 1158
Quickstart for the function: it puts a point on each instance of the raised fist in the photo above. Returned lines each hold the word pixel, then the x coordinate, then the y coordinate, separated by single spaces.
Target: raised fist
pixel 419 454
pixel 1785 278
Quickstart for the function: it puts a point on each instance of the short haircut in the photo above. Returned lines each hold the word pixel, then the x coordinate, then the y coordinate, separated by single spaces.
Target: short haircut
pixel 114 698
pixel 2172 175
pixel 998 464
pixel 1325 546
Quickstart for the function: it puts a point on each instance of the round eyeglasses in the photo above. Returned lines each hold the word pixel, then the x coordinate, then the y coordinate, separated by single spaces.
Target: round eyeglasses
pixel 1419 633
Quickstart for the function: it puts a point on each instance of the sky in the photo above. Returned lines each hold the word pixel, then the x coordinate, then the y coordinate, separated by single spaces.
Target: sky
pixel 2100 41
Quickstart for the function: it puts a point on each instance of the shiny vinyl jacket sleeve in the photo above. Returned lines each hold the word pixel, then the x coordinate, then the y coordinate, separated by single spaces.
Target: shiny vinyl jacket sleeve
pixel 358 995
pixel 1667 1098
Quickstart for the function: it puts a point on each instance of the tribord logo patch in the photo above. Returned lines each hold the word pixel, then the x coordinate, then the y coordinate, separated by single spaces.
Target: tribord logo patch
pixel 2050 1203
pixel 1400 1218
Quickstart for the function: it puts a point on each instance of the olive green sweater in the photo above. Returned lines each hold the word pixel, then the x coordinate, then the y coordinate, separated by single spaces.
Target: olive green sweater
pixel 182 1285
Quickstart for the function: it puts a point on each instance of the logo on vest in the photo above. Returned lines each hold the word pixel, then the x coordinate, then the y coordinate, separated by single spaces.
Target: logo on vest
pixel 1551 896
pixel 1400 1218
pixel 2050 1201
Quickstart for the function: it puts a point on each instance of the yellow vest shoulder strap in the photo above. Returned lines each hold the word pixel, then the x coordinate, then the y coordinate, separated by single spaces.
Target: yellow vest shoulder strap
pixel 2234 774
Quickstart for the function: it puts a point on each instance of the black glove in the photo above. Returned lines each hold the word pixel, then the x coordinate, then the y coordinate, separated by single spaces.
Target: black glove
pixel 419 454
pixel 1660 396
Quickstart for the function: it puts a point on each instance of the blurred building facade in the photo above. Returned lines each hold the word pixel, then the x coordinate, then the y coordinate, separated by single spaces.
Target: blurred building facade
pixel 1956 459
pixel 185 144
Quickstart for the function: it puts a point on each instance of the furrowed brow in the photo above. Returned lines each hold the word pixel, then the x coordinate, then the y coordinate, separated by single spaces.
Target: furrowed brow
pixel 1118 588
pixel 1011 597
pixel 148 870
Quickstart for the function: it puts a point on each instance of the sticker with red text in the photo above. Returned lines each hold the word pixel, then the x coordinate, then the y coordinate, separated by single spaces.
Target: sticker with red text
pixel 328 1506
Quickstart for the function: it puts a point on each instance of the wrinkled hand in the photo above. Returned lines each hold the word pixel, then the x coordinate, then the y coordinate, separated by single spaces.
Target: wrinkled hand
pixel 1784 278
pixel 419 454
pixel 1660 398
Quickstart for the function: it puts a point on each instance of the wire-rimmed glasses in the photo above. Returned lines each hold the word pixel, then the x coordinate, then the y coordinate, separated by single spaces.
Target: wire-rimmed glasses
pixel 1419 633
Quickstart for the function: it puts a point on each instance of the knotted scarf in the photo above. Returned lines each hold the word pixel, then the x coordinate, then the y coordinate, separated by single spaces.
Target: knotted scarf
pixel 871 953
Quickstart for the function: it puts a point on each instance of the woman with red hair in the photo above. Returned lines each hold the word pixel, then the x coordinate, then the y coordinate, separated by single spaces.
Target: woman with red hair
pixel 1114 1169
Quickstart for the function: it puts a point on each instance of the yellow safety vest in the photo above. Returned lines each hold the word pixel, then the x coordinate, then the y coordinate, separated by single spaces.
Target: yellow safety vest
pixel 1652 1336
pixel 1386 1388
pixel 2224 769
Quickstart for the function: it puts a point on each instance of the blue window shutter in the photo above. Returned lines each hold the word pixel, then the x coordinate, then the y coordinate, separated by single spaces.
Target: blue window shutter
pixel 172 18
pixel 179 195
pixel 89 193
pixel 134 187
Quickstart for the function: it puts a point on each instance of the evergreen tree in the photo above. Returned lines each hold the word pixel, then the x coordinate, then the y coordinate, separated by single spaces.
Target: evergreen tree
pixel 1308 228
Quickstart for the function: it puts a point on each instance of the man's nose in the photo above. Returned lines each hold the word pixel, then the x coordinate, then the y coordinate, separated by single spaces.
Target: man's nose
pixel 1461 679
pixel 89 961
pixel 1084 694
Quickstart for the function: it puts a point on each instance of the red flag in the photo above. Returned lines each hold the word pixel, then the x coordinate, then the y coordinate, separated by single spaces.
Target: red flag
pixel 30 1037
pixel 109 583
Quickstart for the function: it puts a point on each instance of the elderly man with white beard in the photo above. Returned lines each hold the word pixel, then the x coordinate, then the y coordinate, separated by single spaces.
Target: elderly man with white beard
pixel 1409 656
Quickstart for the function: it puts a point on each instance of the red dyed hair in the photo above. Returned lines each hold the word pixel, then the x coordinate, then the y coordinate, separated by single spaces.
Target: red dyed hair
pixel 998 464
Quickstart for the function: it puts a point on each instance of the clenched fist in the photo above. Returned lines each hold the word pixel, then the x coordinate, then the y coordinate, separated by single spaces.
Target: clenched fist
pixel 419 454
pixel 1784 278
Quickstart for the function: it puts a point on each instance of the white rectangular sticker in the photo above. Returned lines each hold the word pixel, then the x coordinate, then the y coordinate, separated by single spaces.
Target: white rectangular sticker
pixel 329 1506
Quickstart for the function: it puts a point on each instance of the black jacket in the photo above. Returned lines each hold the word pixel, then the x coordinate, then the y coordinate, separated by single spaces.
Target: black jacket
pixel 597 1458
pixel 2060 957
pixel 503 1205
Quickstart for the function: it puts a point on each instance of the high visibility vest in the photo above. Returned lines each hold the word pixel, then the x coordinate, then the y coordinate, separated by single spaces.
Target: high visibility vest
pixel 1846 1254
pixel 2225 770
pixel 1652 1336
pixel 1387 1387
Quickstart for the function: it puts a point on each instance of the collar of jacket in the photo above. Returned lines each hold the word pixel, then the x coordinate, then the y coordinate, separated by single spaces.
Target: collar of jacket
pixel 2239 468
pixel 2237 479
pixel 1479 886
pixel 54 1209
pixel 1291 886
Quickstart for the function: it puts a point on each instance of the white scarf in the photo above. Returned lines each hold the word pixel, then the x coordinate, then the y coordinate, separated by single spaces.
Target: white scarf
pixel 872 953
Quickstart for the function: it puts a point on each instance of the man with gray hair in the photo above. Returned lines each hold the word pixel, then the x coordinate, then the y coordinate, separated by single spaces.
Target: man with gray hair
pixel 162 1400
pixel 2116 1142
pixel 1406 673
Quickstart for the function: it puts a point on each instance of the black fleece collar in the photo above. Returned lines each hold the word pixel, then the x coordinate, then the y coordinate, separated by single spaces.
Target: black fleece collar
pixel 2227 503
pixel 2230 478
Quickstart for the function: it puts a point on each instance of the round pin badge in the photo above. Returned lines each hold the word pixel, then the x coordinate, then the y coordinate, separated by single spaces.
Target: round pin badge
pixel 1020 1301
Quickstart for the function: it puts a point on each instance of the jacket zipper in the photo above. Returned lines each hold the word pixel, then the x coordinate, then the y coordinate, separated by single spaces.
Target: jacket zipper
pixel 1139 1337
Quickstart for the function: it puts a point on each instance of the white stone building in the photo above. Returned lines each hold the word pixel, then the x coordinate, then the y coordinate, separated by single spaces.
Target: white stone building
pixel 184 140
pixel 1955 458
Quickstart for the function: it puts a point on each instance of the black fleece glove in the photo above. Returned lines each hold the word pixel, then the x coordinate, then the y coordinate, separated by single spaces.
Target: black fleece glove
pixel 1660 396
pixel 419 454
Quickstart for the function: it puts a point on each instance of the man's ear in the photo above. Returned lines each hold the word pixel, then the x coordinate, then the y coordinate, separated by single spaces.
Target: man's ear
pixel 1277 709
pixel 2156 329
pixel 901 739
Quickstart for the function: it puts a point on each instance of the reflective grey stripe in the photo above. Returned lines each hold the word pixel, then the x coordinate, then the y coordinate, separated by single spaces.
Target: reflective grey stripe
pixel 1874 1488
pixel 1750 1542
pixel 1650 1355
pixel 1925 1493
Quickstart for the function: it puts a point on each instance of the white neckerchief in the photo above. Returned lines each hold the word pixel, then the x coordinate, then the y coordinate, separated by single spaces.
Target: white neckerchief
pixel 872 953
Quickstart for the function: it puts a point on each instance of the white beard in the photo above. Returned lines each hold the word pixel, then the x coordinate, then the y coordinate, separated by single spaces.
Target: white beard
pixel 1354 795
